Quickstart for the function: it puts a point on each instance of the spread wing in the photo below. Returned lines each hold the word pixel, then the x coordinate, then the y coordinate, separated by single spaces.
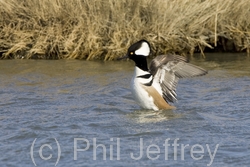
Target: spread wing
pixel 167 69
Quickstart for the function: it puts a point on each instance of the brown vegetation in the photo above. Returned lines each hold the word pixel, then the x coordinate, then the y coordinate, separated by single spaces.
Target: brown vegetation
pixel 104 29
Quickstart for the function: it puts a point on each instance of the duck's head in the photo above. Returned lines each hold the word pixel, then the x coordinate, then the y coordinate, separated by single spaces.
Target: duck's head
pixel 138 52
pixel 139 49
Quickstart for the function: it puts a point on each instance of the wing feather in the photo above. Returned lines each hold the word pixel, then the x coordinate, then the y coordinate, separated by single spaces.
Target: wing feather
pixel 167 69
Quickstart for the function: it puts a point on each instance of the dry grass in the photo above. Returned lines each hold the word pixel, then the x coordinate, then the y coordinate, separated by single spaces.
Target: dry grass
pixel 104 29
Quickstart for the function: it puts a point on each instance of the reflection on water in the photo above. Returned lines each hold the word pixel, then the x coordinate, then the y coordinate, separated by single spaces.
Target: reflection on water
pixel 151 116
pixel 69 99
pixel 236 64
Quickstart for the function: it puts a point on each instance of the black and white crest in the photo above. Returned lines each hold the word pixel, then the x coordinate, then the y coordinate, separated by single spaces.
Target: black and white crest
pixel 138 52
pixel 140 48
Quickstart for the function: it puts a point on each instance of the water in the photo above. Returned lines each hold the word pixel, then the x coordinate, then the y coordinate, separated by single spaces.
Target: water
pixel 89 105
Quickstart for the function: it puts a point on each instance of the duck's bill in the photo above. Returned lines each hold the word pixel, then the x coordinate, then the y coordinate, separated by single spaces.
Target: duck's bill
pixel 122 58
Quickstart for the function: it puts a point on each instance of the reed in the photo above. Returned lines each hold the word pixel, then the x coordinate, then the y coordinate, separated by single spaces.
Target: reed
pixel 104 29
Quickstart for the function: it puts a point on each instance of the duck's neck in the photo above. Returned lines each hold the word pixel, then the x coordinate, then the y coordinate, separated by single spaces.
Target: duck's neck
pixel 142 63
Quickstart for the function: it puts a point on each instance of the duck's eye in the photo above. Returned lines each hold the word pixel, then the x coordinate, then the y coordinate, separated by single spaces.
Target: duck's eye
pixel 131 53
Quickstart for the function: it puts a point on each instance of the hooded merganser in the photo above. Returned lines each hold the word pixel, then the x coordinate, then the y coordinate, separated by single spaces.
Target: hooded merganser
pixel 155 87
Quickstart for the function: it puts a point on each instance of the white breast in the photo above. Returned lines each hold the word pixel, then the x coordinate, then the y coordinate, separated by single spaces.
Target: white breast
pixel 140 95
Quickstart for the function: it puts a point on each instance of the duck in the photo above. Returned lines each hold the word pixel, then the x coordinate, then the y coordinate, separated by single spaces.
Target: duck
pixel 154 86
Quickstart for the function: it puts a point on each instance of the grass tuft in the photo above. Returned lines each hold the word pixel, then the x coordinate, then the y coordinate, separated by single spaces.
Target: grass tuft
pixel 90 29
